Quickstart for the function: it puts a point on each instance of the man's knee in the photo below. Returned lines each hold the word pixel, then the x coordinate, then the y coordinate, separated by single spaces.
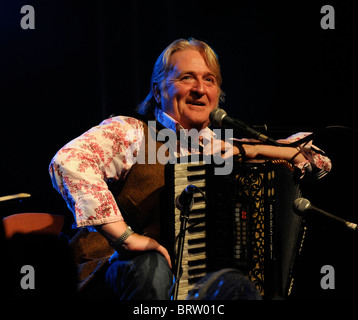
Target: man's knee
pixel 154 275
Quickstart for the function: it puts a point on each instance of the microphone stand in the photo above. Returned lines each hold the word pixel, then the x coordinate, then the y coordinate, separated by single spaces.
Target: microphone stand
pixel 184 217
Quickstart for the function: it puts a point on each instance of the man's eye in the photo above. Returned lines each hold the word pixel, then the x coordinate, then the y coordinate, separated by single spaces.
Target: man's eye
pixel 186 77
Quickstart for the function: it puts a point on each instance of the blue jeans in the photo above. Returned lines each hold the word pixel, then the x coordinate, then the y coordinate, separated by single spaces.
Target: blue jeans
pixel 145 276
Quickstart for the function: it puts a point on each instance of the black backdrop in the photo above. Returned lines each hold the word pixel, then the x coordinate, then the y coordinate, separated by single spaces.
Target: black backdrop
pixel 86 60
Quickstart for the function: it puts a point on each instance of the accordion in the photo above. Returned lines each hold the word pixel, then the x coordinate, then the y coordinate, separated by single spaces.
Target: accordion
pixel 244 220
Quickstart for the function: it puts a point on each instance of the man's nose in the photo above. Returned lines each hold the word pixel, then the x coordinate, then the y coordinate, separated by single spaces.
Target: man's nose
pixel 199 87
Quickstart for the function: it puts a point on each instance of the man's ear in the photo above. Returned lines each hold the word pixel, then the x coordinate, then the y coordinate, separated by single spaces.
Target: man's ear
pixel 156 92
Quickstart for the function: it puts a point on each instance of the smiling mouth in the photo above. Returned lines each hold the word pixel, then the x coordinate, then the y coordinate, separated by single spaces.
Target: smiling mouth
pixel 196 103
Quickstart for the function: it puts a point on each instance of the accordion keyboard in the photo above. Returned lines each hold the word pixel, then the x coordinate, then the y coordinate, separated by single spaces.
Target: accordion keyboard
pixel 194 254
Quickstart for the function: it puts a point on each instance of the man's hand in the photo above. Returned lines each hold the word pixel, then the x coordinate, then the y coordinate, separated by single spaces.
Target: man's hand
pixel 227 150
pixel 135 242
pixel 253 150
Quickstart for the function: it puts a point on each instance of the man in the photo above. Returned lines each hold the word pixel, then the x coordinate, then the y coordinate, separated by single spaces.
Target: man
pixel 185 88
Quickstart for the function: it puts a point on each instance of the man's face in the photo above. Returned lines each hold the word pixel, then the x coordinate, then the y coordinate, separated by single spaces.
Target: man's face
pixel 191 92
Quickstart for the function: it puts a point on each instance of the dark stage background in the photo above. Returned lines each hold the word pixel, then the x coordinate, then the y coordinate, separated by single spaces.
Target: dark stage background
pixel 86 60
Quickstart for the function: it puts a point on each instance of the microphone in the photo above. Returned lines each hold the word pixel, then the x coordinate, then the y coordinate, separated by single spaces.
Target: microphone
pixel 186 198
pixel 218 117
pixel 301 205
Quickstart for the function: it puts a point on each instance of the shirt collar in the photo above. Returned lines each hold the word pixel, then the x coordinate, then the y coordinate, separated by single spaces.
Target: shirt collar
pixel 168 122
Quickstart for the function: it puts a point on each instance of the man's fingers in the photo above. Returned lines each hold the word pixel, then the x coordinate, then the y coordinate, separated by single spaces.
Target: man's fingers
pixel 154 245
pixel 165 253
pixel 136 242
pixel 221 147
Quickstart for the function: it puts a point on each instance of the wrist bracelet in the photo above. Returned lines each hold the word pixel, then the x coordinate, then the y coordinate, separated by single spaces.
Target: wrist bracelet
pixel 116 244
pixel 242 150
pixel 242 153
pixel 296 154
